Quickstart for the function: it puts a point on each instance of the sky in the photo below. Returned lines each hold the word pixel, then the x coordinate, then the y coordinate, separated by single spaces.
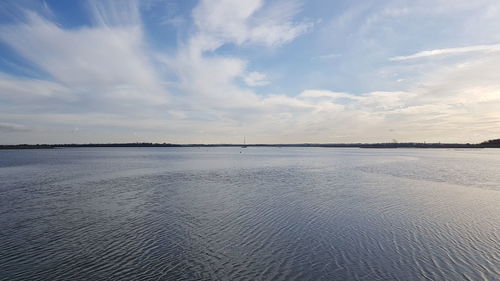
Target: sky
pixel 216 71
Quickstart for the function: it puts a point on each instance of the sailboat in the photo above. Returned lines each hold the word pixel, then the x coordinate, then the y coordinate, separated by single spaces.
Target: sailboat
pixel 244 143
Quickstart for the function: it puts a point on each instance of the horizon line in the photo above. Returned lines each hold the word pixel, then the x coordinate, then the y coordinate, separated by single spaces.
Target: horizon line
pixel 488 143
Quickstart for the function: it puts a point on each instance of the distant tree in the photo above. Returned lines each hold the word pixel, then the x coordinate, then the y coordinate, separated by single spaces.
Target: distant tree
pixel 491 143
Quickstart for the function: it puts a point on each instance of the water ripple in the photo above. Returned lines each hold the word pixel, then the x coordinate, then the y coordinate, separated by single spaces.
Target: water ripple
pixel 288 215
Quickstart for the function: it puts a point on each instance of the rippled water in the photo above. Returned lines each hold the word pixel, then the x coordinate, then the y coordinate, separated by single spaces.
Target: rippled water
pixel 249 214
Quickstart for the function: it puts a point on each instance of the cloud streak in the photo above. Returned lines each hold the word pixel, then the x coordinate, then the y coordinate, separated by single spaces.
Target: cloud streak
pixel 450 51
pixel 95 64
pixel 246 22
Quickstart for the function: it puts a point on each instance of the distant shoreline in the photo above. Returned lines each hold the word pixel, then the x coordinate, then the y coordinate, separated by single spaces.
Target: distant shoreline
pixel 487 144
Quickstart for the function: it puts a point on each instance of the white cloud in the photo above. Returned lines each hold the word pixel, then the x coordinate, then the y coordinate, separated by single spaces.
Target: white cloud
pixel 327 57
pixel 209 82
pixel 96 63
pixel 450 51
pixel 240 22
pixel 115 12
pixel 255 78
pixel 13 88
pixel 325 93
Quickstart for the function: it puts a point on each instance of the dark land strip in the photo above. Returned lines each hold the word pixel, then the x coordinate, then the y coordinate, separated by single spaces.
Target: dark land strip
pixel 486 144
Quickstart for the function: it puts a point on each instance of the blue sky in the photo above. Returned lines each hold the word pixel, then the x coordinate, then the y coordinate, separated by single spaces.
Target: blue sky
pixel 274 71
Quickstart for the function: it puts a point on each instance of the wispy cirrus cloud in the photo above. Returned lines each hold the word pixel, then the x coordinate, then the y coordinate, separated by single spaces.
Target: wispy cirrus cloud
pixel 22 89
pixel 255 79
pixel 247 21
pixel 450 51
pixel 95 63
pixel 327 57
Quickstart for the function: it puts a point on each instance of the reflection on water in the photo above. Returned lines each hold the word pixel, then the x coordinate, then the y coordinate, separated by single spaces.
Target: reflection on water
pixel 263 214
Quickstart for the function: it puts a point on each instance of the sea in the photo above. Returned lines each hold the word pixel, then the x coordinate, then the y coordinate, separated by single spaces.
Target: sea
pixel 256 213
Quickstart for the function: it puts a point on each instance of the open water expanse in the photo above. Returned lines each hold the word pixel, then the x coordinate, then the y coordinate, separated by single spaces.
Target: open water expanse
pixel 249 214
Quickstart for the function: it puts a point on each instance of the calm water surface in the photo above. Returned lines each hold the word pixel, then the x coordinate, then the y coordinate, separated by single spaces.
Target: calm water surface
pixel 249 214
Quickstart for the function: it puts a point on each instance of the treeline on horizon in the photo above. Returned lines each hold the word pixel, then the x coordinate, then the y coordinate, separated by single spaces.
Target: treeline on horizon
pixel 486 144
